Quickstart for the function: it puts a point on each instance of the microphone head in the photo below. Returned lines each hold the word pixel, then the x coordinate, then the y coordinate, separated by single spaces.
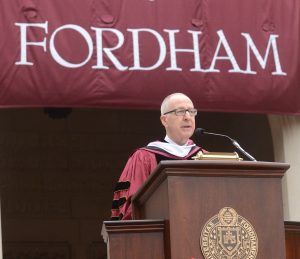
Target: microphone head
pixel 199 131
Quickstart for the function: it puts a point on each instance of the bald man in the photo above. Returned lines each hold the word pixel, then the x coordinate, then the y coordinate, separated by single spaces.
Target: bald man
pixel 178 118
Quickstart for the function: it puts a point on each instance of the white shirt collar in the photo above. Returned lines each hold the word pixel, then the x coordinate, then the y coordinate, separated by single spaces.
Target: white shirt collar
pixel 172 142
pixel 172 148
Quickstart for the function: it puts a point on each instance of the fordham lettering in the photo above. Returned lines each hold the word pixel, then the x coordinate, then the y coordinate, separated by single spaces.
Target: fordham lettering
pixel 106 56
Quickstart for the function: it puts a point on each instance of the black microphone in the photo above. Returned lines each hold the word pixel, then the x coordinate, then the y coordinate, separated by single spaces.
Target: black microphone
pixel 201 131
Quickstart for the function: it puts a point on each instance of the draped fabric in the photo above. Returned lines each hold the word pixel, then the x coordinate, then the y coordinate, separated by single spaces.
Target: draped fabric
pixel 229 56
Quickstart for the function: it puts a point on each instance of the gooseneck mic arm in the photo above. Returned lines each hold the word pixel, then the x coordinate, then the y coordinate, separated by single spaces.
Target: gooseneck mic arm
pixel 201 131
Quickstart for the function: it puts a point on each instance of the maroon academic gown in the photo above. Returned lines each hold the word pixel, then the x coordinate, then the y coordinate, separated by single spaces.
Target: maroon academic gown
pixel 137 170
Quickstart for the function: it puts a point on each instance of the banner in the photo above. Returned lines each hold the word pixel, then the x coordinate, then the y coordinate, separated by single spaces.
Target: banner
pixel 228 56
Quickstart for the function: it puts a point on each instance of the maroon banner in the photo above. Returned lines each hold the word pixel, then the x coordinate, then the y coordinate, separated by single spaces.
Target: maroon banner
pixel 229 56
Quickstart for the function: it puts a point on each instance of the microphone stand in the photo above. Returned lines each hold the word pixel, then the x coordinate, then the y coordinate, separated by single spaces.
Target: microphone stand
pixel 233 141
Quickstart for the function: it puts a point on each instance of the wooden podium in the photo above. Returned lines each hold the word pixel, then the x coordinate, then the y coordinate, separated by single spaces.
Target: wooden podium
pixel 218 208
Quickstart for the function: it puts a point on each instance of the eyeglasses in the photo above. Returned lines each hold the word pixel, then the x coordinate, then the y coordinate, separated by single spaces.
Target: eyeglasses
pixel 182 112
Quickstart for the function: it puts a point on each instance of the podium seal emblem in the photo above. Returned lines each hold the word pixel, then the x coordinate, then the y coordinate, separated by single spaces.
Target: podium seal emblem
pixel 228 236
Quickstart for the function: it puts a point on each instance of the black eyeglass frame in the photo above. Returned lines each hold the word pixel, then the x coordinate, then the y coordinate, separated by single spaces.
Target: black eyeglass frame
pixel 185 110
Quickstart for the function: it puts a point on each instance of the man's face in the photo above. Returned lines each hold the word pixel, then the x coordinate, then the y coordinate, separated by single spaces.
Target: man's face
pixel 179 128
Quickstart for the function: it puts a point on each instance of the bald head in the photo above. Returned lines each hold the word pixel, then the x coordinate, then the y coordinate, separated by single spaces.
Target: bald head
pixel 167 103
pixel 179 126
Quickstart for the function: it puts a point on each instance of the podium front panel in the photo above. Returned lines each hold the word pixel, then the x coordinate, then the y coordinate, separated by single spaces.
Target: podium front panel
pixel 188 198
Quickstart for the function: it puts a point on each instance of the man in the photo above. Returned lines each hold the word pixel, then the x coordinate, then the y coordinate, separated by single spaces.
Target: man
pixel 178 118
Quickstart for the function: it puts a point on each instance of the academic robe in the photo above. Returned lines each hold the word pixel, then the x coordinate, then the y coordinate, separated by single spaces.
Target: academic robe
pixel 137 170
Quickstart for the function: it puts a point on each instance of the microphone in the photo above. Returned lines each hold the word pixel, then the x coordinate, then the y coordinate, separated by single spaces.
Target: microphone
pixel 201 131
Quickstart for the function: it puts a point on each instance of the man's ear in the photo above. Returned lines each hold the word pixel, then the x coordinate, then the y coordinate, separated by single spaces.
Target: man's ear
pixel 163 120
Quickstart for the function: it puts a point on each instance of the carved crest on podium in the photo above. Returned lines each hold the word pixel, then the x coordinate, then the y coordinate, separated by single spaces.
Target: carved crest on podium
pixel 228 236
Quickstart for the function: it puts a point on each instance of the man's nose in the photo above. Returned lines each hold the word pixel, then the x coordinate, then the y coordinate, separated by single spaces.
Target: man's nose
pixel 187 115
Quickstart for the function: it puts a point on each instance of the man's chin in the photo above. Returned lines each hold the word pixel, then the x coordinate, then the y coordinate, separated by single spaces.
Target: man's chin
pixel 188 134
